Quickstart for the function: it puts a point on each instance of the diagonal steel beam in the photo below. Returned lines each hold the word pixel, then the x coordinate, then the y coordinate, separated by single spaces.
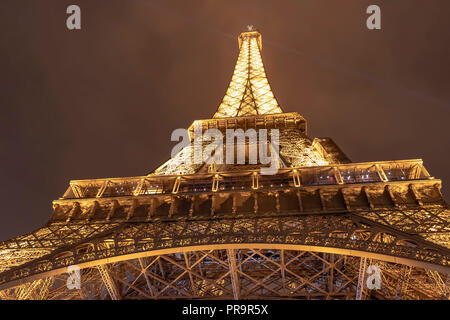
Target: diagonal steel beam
pixel 233 273
pixel 108 282
pixel 362 271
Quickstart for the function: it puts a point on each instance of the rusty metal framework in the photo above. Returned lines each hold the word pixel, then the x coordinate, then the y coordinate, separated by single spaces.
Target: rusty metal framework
pixel 227 232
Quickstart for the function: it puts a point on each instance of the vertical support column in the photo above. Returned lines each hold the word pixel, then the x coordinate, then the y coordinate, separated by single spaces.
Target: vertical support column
pixel 233 272
pixel 331 275
pixel 362 271
pixel 283 271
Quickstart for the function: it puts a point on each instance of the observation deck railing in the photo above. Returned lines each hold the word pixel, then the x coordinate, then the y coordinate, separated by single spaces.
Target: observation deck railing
pixel 338 174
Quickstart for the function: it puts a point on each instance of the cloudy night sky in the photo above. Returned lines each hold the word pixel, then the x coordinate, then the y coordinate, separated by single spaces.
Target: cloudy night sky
pixel 102 101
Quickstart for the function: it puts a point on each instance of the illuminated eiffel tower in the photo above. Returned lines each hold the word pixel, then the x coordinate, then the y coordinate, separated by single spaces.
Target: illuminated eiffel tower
pixel 225 231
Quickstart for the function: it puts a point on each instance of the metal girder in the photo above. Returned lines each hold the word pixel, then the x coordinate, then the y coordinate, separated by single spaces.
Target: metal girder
pixel 37 289
pixel 25 292
pixel 443 286
pixel 332 233
pixel 361 274
pixel 403 284
pixel 108 283
pixel 234 274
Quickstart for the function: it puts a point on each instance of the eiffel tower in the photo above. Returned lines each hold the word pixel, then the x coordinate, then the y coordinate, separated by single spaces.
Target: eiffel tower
pixel 320 228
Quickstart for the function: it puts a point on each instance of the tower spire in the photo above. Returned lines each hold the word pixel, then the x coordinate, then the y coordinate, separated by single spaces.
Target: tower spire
pixel 249 92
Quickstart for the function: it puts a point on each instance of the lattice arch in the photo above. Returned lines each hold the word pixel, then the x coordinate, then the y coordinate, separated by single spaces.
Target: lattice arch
pixel 229 272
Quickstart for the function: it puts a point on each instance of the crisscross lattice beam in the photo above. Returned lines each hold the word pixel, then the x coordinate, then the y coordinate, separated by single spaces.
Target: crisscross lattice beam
pixel 246 273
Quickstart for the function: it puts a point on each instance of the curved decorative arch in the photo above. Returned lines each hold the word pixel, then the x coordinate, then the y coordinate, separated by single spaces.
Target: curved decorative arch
pixel 311 233
pixel 236 271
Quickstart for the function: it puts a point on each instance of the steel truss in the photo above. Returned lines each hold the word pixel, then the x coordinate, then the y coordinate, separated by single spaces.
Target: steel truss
pixel 250 273
pixel 348 234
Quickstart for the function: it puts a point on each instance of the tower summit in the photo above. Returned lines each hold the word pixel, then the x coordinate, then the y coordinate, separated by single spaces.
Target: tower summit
pixel 249 92
pixel 200 231
pixel 249 103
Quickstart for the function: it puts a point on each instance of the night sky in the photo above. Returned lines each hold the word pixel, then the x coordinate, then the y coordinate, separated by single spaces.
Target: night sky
pixel 103 101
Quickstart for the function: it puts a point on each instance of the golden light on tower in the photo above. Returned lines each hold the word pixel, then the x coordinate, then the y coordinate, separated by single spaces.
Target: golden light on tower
pixel 226 231
pixel 249 92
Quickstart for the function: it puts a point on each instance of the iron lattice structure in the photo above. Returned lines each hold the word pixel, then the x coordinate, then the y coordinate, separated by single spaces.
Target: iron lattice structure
pixel 227 232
